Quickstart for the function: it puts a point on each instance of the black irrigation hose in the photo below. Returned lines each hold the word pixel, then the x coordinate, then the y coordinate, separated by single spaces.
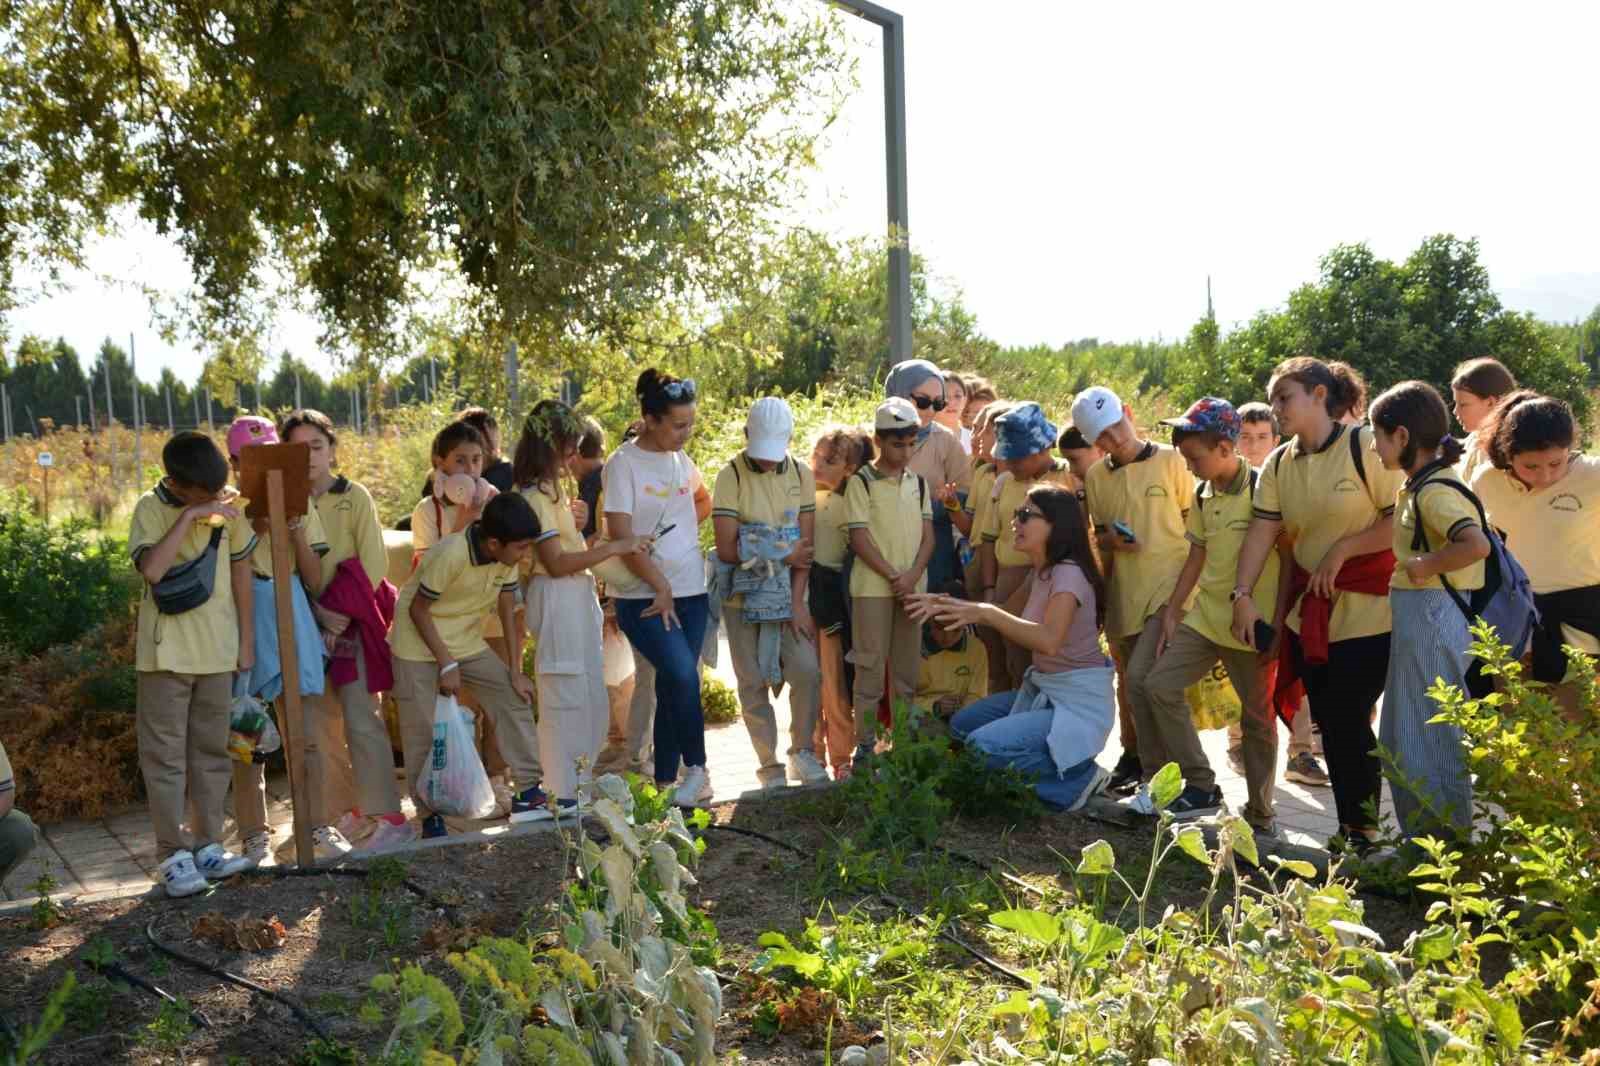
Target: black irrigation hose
pixel 117 972
pixel 450 913
pixel 305 1017
pixel 899 905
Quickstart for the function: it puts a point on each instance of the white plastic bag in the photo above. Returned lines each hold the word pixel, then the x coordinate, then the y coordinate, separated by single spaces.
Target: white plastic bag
pixel 454 782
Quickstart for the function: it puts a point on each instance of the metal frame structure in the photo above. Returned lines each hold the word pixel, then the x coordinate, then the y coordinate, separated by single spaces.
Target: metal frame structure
pixel 894 121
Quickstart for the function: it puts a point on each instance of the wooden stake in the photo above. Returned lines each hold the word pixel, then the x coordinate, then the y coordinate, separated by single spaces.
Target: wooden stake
pixel 290 722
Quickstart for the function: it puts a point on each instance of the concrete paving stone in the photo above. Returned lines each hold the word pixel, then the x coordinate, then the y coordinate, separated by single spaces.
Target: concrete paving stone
pixel 93 852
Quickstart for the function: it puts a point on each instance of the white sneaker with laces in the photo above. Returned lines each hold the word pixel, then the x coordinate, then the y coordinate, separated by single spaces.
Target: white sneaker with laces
pixel 694 789
pixel 217 862
pixel 1140 803
pixel 804 768
pixel 387 835
pixel 328 843
pixel 258 848
pixel 772 777
pixel 179 876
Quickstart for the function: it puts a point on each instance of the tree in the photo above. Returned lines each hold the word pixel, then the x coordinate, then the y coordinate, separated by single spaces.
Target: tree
pixel 573 161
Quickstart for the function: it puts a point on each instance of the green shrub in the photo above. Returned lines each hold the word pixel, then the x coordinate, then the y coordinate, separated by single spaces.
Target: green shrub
pixel 56 581
pixel 719 702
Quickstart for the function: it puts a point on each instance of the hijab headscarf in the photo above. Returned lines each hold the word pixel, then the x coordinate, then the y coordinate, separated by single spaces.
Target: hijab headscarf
pixel 906 376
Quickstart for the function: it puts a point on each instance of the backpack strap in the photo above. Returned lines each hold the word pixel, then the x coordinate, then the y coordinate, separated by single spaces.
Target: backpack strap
pixel 1356 457
pixel 1419 538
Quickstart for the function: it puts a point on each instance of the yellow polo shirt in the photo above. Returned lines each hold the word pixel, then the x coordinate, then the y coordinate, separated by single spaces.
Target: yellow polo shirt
pixel 1152 496
pixel 351 527
pixel 961 671
pixel 832 540
pixel 888 508
pixel 554 511
pixel 427 524
pixel 204 640
pixel 464 583
pixel 1444 513
pixel 1554 532
pixel 316 536
pixel 979 499
pixel 776 497
pixel 1218 522
pixel 1012 493
pixel 1320 497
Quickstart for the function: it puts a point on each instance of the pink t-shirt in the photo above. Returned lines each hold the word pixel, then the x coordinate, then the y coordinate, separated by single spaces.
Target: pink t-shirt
pixel 1082 646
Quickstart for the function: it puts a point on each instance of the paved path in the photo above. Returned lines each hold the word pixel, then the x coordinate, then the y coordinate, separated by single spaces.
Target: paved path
pixel 118 853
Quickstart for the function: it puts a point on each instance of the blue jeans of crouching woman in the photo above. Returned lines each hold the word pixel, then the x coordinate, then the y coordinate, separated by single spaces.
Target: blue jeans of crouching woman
pixel 680 729
pixel 1018 741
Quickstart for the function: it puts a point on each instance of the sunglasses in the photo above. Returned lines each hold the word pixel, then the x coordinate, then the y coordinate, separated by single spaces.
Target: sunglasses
pixel 923 403
pixel 1023 515
pixel 679 391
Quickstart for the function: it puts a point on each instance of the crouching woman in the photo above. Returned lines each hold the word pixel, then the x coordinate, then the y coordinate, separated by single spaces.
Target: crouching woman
pixel 1052 728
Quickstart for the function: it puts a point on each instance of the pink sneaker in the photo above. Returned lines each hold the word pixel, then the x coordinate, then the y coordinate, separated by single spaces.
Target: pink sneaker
pixel 386 835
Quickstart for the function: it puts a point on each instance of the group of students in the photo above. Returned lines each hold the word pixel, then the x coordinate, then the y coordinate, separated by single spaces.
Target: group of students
pixel 960 555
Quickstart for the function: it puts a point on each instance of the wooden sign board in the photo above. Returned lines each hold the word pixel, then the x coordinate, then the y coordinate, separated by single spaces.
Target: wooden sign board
pixel 295 462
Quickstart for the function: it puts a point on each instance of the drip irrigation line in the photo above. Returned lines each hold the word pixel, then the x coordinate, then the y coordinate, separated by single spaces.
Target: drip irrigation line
pixel 899 905
pixel 411 886
pixel 305 1017
pixel 988 868
pixel 117 972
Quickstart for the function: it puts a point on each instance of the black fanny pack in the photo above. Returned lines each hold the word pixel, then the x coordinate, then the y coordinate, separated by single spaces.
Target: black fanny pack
pixel 188 586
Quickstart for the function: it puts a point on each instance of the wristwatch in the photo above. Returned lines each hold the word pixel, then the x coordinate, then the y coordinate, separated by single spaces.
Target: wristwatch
pixel 1239 593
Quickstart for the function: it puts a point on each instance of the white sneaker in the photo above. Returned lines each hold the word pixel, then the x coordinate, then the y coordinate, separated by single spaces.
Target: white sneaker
pixel 1140 803
pixel 386 835
pixel 772 778
pixel 258 848
pixel 217 862
pixel 804 768
pixel 1096 785
pixel 328 843
pixel 694 789
pixel 179 876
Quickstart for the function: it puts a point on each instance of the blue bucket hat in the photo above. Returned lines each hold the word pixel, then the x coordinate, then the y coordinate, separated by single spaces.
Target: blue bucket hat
pixel 1023 431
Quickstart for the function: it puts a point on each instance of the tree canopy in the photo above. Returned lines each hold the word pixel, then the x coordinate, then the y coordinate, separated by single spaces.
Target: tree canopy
pixel 571 161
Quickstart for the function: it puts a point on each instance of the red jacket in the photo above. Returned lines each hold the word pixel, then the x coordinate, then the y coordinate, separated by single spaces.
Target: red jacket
pixel 1369 574
pixel 370 612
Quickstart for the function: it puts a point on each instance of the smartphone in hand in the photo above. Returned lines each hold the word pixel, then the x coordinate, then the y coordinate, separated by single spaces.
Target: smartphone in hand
pixel 1124 531
pixel 1264 634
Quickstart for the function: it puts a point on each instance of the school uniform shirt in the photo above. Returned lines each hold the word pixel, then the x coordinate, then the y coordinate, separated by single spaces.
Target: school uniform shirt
pixel 554 511
pixel 463 582
pixel 429 522
pixel 940 460
pixel 1444 512
pixel 832 540
pixel 1152 496
pixel 204 640
pixel 1010 494
pixel 980 499
pixel 658 490
pixel 1218 522
pixel 1554 532
pixel 1472 458
pixel 892 509
pixel 775 498
pixel 316 536
pixel 350 524
pixel 961 670
pixel 1321 498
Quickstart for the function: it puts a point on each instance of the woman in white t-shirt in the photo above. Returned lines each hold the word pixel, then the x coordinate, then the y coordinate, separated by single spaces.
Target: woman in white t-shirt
pixel 652 489
pixel 1052 728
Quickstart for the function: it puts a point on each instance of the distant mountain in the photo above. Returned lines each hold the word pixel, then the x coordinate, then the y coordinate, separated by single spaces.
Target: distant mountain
pixel 1556 297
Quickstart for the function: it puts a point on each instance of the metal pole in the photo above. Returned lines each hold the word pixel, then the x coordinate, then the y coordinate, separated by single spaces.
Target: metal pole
pixel 171 425
pixel 77 405
pixel 297 403
pixel 195 395
pixel 512 401
pixel 111 416
pixel 5 419
pixel 433 376
pixel 138 421
pixel 894 120
pixel 209 423
pixel 94 422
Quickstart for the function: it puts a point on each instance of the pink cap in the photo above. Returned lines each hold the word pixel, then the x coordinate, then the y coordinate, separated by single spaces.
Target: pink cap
pixel 248 430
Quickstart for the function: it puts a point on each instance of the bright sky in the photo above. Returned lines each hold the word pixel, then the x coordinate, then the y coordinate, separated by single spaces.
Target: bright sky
pixel 1079 169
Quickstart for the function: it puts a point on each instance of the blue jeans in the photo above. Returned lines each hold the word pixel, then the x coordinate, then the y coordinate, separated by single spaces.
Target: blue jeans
pixel 1018 741
pixel 680 729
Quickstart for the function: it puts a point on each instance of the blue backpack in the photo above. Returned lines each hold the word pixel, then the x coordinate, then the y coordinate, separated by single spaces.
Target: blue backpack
pixel 1506 599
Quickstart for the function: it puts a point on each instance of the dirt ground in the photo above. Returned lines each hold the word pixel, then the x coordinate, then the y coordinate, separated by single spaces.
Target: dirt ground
pixel 339 933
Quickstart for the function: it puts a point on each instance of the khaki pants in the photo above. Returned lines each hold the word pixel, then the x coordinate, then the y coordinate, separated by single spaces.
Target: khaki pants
pixel 798 660
pixel 183 755
pixel 882 635
pixel 1299 733
pixel 485 674
pixel 1167 732
pixel 1133 655
pixel 835 738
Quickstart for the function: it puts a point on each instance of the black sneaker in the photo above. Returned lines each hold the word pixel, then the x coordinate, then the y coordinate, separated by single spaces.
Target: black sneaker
pixel 1125 776
pixel 1357 844
pixel 433 826
pixel 1196 803
pixel 531 805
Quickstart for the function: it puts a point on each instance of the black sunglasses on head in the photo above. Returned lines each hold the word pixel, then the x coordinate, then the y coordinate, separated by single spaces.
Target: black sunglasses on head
pixel 923 403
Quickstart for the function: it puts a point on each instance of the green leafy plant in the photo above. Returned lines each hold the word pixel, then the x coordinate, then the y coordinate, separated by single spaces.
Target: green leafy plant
pixel 47 913
pixel 169 1028
pixel 719 702
pixel 84 579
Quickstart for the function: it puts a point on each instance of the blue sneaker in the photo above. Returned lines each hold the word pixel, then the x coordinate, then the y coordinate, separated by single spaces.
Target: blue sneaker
pixel 433 827
pixel 531 805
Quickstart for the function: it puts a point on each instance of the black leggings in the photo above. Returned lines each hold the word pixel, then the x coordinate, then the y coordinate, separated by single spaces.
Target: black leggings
pixel 1343 692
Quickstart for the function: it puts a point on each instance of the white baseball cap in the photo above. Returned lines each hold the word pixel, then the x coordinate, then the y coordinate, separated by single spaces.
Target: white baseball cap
pixel 769 428
pixel 1096 410
pixel 896 413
